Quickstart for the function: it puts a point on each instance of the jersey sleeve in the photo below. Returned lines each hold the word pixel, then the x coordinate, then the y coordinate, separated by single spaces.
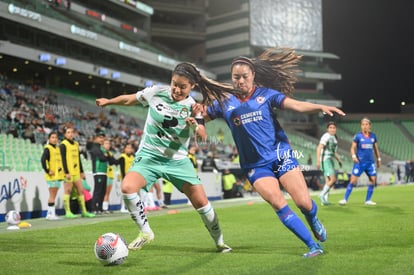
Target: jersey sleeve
pixel 276 99
pixel 324 139
pixel 144 96
pixel 215 111
pixel 356 138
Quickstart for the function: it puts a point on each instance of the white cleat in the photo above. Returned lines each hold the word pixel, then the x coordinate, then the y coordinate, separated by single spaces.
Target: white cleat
pixel 370 203
pixel 224 248
pixel 52 218
pixel 141 240
pixel 342 202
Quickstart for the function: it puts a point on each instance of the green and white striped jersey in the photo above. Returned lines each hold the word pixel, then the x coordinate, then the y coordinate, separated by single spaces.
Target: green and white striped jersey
pixel 330 146
pixel 165 133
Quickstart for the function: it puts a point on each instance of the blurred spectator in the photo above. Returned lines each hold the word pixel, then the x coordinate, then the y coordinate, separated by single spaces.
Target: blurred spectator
pixel 209 164
pixel 167 189
pixel 229 184
pixel 407 171
pixel 314 183
pixel 28 131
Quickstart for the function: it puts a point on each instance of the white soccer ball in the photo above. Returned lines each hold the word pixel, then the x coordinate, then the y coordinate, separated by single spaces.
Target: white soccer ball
pixel 13 217
pixel 111 249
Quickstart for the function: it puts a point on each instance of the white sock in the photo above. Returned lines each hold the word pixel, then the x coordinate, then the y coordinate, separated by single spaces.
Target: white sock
pixel 150 200
pixel 160 202
pixel 210 219
pixel 136 209
pixel 325 190
pixel 105 206
pixel 51 210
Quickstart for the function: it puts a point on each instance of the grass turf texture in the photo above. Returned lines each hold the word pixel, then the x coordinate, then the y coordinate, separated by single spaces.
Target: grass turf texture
pixel 361 240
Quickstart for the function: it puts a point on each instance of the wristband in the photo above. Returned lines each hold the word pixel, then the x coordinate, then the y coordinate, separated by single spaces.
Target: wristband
pixel 353 156
pixel 379 159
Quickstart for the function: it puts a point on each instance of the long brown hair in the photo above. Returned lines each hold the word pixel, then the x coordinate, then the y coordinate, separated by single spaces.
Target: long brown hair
pixel 210 89
pixel 275 68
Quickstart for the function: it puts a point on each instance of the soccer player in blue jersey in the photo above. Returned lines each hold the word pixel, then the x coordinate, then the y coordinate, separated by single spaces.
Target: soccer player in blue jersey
pixel 164 148
pixel 266 156
pixel 363 148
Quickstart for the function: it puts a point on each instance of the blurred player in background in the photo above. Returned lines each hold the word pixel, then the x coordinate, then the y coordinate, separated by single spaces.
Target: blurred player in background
pixel 72 166
pixel 51 161
pixel 110 174
pixel 325 154
pixel 125 162
pixel 363 148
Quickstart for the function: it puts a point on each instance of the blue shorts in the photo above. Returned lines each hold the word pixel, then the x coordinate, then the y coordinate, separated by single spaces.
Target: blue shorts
pixel 276 168
pixel 368 167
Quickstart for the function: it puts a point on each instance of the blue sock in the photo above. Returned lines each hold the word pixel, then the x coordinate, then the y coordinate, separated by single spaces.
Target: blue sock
pixel 292 221
pixel 370 191
pixel 310 215
pixel 348 191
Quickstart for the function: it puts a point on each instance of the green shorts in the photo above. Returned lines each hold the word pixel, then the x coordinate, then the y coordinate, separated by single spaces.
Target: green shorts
pixel 54 183
pixel 151 167
pixel 328 167
pixel 109 181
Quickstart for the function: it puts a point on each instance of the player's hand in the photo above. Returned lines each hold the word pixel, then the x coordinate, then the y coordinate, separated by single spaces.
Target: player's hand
pixel 192 122
pixel 199 108
pixel 330 110
pixel 101 102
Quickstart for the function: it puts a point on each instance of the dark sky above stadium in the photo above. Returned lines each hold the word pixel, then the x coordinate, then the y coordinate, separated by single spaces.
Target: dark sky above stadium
pixel 374 39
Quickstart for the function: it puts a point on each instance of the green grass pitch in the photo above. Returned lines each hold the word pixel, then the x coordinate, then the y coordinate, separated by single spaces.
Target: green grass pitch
pixel 361 240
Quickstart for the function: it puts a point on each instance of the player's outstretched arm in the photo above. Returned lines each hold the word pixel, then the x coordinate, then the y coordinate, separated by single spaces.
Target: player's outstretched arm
pixel 308 107
pixel 126 100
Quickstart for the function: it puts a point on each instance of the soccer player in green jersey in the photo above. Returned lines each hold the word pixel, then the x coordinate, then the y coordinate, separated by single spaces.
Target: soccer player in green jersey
pixel 325 154
pixel 164 147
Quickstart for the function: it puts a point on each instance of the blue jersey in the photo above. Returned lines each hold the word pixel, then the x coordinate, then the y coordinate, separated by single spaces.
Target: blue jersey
pixel 258 135
pixel 365 147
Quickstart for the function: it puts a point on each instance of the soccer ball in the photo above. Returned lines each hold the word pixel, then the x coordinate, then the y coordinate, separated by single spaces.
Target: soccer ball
pixel 111 249
pixel 13 217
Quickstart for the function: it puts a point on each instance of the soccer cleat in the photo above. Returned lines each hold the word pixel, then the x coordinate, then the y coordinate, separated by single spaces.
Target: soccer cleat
pixel 342 202
pixel 370 203
pixel 124 210
pixel 141 240
pixel 318 230
pixel 52 218
pixel 70 215
pixel 324 200
pixel 88 215
pixel 224 248
pixel 314 251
